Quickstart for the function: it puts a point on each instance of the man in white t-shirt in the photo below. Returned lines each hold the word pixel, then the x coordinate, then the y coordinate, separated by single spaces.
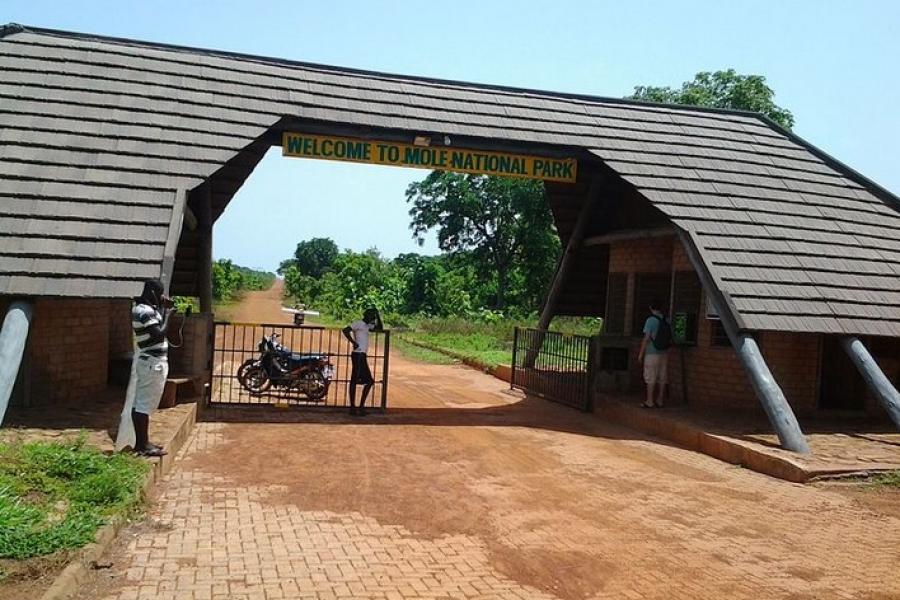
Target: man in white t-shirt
pixel 357 333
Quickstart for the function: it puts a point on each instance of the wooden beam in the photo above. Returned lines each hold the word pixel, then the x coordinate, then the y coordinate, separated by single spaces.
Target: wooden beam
pixel 190 219
pixel 203 205
pixel 13 338
pixel 565 261
pixel 767 389
pixel 562 269
pixel 174 234
pixel 875 378
pixel 629 234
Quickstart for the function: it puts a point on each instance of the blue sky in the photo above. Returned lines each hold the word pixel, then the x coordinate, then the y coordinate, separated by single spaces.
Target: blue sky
pixel 833 63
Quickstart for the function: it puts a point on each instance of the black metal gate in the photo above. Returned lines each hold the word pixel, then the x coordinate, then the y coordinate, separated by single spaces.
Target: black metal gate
pixel 236 343
pixel 553 365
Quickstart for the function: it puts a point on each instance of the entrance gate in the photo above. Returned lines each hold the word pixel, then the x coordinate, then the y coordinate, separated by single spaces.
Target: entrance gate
pixel 236 343
pixel 553 365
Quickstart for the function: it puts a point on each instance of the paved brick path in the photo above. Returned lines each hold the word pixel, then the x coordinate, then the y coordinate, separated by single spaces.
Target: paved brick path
pixel 465 491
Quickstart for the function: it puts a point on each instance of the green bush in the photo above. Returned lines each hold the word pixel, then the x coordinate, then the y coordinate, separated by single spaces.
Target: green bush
pixel 229 280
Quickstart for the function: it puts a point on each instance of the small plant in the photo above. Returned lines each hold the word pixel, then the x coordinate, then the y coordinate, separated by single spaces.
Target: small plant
pixel 56 496
pixel 889 479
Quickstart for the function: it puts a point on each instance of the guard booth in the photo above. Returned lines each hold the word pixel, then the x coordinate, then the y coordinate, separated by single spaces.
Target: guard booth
pixel 239 346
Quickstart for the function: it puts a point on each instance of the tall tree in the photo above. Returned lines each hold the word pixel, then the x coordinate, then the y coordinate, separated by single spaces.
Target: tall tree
pixel 722 89
pixel 312 258
pixel 491 218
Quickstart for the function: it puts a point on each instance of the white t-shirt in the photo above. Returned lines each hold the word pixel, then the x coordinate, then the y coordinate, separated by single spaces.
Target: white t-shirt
pixel 361 331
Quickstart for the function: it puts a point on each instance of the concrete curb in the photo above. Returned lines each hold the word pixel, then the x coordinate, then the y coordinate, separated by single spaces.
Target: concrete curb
pixel 502 372
pixel 727 449
pixel 66 583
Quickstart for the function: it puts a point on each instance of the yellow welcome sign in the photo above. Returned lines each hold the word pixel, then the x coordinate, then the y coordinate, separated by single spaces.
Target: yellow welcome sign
pixel 302 145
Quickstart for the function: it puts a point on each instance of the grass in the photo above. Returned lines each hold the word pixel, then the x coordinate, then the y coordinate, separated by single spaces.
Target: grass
pixel 419 354
pixel 481 347
pixel 489 343
pixel 54 496
pixel 890 479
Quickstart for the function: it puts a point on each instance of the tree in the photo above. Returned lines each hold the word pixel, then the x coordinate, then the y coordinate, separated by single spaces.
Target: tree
pixel 421 275
pixel 722 89
pixel 226 279
pixel 359 280
pixel 491 218
pixel 312 258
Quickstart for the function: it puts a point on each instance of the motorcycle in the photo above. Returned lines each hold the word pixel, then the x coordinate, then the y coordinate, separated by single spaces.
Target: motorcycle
pixel 279 367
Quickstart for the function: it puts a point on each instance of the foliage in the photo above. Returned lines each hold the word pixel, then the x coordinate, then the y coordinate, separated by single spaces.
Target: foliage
pixel 490 340
pixel 889 479
pixel 312 258
pixel 56 496
pixel 300 287
pixel 420 354
pixel 183 302
pixel 500 224
pixel 229 280
pixel 481 347
pixel 359 280
pixel 721 89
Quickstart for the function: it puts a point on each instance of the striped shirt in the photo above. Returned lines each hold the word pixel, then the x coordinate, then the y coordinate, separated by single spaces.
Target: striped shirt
pixel 143 318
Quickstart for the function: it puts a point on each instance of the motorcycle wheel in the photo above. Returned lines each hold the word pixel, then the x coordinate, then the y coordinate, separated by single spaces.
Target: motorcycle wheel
pixel 253 377
pixel 315 385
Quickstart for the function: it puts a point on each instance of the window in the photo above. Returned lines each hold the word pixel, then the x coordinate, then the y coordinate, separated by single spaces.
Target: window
pixel 648 286
pixel 616 297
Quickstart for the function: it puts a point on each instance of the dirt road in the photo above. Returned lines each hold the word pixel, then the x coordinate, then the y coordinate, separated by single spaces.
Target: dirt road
pixel 464 490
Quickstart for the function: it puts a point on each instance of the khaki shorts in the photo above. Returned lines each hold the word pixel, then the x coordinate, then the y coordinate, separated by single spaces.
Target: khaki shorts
pixel 656 368
pixel 151 376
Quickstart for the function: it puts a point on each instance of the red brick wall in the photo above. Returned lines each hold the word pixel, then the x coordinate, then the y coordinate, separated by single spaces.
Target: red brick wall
pixel 68 349
pixel 794 359
pixel 651 255
pixel 120 341
pixel 715 377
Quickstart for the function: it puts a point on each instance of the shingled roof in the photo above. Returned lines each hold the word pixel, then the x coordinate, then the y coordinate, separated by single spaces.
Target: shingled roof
pixel 99 136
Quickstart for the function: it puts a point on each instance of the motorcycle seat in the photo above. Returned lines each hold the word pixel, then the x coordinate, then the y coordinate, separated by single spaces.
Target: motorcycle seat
pixel 298 358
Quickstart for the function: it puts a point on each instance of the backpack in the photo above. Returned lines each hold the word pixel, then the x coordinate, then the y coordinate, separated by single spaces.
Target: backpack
pixel 663 339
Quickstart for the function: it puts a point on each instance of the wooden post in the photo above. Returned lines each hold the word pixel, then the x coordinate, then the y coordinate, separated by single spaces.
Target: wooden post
pixel 767 389
pixel 204 249
pixel 875 378
pixel 13 337
pixel 172 239
pixel 562 270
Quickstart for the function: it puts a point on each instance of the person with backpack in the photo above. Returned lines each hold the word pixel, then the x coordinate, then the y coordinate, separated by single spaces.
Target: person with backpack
pixel 654 355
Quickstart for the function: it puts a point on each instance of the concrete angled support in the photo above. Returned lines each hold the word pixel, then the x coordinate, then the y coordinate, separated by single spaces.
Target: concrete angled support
pixel 13 337
pixel 767 390
pixel 875 378
pixel 770 395
pixel 562 268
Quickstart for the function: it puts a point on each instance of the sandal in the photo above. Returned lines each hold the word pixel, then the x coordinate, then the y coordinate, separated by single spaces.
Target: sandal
pixel 152 452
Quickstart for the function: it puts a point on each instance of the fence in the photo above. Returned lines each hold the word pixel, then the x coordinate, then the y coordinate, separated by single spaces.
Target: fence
pixel 236 343
pixel 553 365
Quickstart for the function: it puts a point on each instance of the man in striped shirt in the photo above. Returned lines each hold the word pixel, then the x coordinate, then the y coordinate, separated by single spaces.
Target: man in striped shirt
pixel 149 319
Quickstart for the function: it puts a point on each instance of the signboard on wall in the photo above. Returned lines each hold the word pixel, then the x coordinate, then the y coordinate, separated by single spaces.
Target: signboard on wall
pixel 445 158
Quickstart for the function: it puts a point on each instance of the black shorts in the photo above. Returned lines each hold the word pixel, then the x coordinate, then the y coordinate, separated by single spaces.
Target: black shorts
pixel 360 372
